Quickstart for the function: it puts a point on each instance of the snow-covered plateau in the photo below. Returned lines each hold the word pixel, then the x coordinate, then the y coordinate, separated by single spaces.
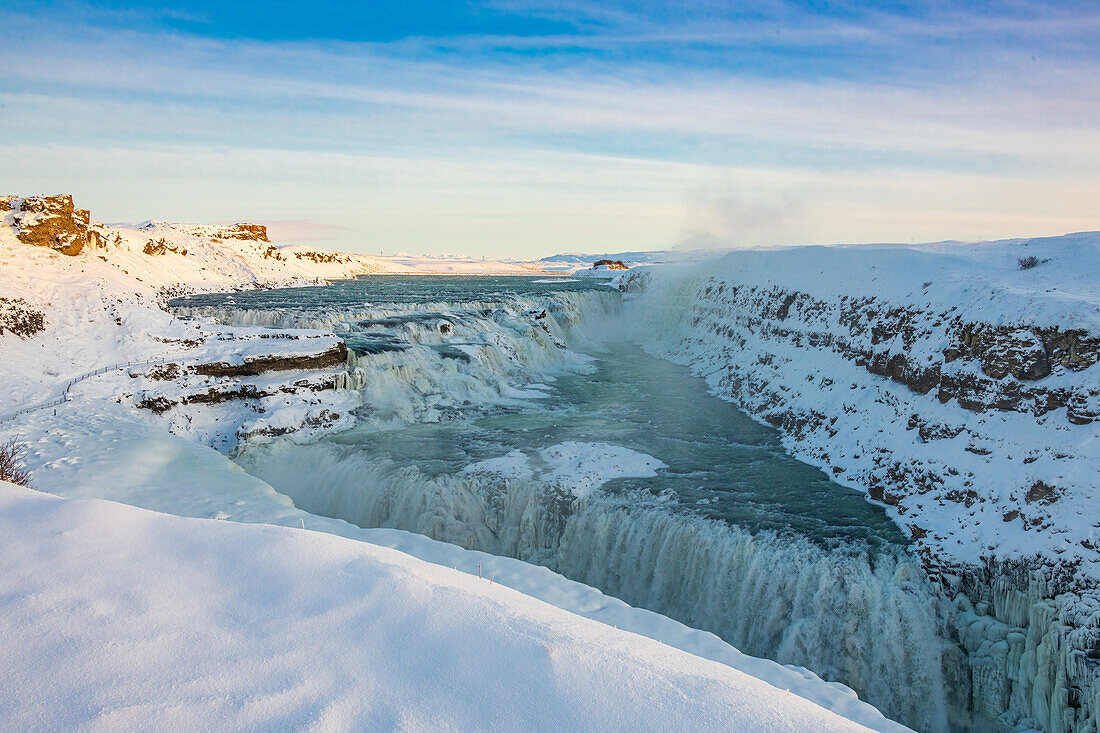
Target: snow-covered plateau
pixel 944 565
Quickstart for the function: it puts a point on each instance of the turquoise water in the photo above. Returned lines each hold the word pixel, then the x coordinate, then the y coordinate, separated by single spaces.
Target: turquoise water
pixel 375 289
pixel 721 464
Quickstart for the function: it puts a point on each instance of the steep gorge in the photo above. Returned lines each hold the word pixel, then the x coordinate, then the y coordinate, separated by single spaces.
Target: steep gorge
pixel 975 427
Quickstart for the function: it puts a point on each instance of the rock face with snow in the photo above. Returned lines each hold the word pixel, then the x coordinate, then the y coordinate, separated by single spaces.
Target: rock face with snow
pixel 50 221
pixel 956 388
pixel 19 319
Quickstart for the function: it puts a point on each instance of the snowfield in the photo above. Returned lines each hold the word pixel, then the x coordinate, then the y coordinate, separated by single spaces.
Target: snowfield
pixel 118 618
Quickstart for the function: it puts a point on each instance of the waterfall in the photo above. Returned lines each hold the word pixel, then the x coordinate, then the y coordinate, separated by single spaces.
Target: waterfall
pixel 980 651
pixel 866 619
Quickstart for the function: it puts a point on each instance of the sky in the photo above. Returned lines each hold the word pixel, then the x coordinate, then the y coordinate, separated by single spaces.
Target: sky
pixel 524 128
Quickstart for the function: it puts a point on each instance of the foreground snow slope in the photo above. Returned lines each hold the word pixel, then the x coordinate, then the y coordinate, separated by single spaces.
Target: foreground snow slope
pixel 113 617
pixel 109 452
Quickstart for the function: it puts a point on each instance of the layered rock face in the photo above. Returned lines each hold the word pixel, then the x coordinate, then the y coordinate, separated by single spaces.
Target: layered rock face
pixel 51 221
pixel 958 390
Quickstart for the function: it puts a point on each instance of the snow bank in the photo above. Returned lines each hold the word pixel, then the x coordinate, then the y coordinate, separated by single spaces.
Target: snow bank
pixel 114 617
pixel 111 453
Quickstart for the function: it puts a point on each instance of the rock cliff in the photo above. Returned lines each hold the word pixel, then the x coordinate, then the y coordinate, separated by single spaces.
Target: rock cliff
pixel 959 390
pixel 51 221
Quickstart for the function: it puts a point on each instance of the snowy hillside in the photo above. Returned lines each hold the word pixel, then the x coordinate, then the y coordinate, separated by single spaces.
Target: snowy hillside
pixel 966 378
pixel 114 617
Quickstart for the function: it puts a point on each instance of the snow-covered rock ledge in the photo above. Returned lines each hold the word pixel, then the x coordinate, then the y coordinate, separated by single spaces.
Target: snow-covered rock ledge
pixel 955 383
pixel 83 299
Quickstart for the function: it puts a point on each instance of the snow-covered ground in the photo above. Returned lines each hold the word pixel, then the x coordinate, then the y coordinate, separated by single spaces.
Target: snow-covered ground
pixel 581 468
pixel 118 618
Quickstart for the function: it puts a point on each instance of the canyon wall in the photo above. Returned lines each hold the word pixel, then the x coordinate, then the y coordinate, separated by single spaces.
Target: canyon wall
pixel 958 387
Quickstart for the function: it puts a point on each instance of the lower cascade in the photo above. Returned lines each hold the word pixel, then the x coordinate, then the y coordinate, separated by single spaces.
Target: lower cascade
pixel 868 620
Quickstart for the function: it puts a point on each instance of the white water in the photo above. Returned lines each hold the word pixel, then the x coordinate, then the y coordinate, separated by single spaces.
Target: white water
pixel 867 620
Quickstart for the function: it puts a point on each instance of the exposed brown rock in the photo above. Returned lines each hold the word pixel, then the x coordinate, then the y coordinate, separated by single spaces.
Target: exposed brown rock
pixel 52 221
pixel 992 367
pixel 19 318
pixel 1084 407
pixel 252 232
pixel 161 247
pixel 611 264
pixel 320 257
pixel 1042 493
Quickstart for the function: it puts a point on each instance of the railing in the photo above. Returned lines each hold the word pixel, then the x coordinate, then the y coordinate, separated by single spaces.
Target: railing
pixel 64 397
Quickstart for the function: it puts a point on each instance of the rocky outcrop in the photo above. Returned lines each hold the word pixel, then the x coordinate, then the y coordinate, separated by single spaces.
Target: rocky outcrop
pixel 162 247
pixel 159 403
pixel 52 221
pixel 251 232
pixel 610 264
pixel 335 356
pixel 320 257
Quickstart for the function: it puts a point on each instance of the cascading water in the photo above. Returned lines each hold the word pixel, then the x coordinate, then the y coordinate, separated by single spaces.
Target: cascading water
pixel 864 617
pixel 732 536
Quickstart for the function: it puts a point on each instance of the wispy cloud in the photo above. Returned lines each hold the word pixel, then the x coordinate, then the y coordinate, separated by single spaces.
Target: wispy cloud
pixel 776 123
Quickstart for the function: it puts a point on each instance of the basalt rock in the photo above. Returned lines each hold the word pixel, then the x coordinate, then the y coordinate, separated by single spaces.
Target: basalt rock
pixel 984 368
pixel 1083 407
pixel 17 317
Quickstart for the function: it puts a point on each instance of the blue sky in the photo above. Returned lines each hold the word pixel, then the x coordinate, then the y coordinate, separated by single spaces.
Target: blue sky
pixel 526 127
